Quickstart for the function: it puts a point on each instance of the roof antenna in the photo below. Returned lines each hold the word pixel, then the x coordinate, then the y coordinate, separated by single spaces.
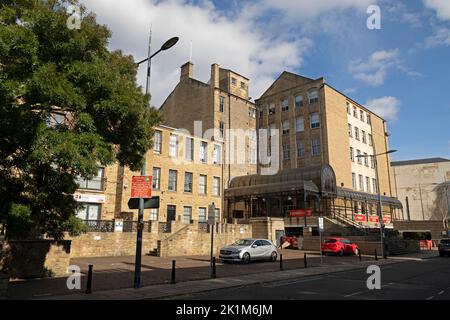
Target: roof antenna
pixel 190 53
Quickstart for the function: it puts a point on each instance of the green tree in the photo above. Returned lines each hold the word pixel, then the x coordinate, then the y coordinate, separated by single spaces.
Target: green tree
pixel 48 68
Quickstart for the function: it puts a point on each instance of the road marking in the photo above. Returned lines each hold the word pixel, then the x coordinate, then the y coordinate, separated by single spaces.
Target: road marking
pixel 441 292
pixel 429 298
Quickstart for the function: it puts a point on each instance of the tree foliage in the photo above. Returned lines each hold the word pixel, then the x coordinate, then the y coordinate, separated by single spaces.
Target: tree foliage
pixel 45 66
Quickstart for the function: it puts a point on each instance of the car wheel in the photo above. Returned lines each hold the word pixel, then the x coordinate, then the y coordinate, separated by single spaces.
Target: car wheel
pixel 341 252
pixel 246 258
pixel 324 253
pixel 273 256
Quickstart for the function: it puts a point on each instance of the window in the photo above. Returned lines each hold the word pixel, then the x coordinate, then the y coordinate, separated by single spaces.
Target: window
pixel 55 120
pixel 358 159
pixel 299 101
pixel 300 149
pixel 189 149
pixel 157 141
pixel 366 159
pixel 156 179
pixel 286 127
pixel 252 112
pixel 96 183
pixel 271 109
pixel 217 215
pixel 370 140
pixel 187 215
pixel 361 115
pixel 203 151
pixel 367 184
pixel 348 108
pixel 202 184
pixel 315 121
pixel 154 214
pixel 216 186
pixel 356 133
pixel 374 185
pixel 221 129
pixel 286 152
pixel 217 157
pixel 188 182
pixel 355 112
pixel 361 182
pixel 354 181
pixel 252 155
pixel 252 134
pixel 313 96
pixel 352 155
pixel 372 163
pixel 233 81
pixel 299 124
pixel 284 105
pixel 315 146
pixel 90 211
pixel 368 119
pixel 350 130
pixel 261 113
pixel 242 85
pixel 222 104
pixel 172 180
pixel 202 214
pixel 173 146
pixel 363 134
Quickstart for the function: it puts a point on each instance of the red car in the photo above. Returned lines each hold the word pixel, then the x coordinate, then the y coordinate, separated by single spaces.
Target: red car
pixel 339 246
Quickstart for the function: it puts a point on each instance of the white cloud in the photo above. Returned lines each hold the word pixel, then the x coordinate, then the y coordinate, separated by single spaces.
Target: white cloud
pixel 386 107
pixel 374 70
pixel 441 37
pixel 233 42
pixel 442 8
pixel 301 9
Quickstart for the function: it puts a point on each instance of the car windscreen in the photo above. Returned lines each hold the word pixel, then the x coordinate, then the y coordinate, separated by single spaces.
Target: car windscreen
pixel 330 241
pixel 243 242
pixel 445 241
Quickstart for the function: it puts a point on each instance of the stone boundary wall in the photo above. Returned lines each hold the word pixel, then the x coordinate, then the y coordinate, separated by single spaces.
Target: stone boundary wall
pixel 436 227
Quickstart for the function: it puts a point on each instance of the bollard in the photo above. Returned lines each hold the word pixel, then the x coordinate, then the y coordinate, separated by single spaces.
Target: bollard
pixel 304 260
pixel 213 271
pixel 359 255
pixel 281 262
pixel 89 280
pixel 376 256
pixel 172 281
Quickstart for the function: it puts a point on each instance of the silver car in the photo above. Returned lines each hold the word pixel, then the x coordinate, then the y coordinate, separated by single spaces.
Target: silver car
pixel 246 250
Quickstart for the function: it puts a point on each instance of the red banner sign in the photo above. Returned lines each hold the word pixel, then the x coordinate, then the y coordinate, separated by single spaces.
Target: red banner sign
pixel 141 187
pixel 387 219
pixel 374 219
pixel 300 213
pixel 360 217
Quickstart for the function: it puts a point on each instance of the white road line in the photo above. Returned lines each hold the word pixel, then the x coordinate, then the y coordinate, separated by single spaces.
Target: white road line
pixel 441 292
pixel 429 298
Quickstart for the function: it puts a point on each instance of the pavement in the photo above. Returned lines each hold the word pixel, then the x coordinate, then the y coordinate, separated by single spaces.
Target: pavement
pixel 229 277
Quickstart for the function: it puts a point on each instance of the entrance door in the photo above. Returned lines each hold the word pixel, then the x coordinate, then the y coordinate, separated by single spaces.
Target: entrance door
pixel 278 235
pixel 171 213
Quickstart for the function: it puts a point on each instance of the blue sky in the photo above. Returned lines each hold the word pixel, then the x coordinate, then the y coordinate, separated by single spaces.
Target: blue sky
pixel 401 71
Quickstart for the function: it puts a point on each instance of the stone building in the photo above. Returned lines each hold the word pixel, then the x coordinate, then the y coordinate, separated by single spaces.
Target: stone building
pixel 422 187
pixel 187 177
pixel 220 110
pixel 319 133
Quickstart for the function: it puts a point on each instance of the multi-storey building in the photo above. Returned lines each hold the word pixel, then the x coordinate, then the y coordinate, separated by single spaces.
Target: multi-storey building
pixel 321 131
pixel 221 109
pixel 187 176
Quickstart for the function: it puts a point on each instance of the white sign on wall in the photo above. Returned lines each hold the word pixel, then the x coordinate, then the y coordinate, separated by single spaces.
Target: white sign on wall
pixel 91 198
pixel 118 225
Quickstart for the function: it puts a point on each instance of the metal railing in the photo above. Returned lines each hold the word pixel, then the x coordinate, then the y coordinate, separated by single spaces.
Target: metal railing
pixel 165 227
pixel 99 225
pixel 132 226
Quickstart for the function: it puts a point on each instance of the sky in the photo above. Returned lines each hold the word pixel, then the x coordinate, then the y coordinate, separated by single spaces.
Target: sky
pixel 401 71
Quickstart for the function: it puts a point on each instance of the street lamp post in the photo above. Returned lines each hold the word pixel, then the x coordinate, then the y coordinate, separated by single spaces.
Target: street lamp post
pixel 138 260
pixel 380 210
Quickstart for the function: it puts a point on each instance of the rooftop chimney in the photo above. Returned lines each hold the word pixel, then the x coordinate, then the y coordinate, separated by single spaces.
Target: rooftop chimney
pixel 214 75
pixel 187 71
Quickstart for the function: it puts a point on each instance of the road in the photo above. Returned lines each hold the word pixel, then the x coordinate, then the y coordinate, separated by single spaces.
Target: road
pixel 414 280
